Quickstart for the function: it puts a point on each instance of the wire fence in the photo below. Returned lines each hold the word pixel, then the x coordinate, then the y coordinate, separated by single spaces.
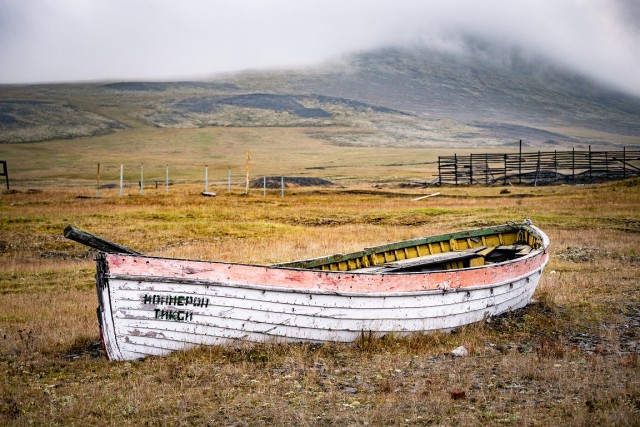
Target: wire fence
pixel 127 179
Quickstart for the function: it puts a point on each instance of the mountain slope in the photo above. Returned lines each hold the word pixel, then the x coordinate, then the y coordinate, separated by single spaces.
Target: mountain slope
pixel 480 96
pixel 478 87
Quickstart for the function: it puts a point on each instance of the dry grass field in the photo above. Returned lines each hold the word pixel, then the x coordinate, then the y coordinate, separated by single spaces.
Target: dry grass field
pixel 569 359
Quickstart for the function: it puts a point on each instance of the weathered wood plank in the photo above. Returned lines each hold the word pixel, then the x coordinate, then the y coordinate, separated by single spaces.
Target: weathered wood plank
pixel 248 315
pixel 506 230
pixel 432 259
pixel 515 248
pixel 96 242
pixel 423 261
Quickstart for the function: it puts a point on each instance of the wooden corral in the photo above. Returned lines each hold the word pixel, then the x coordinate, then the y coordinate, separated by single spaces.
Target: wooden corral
pixel 541 167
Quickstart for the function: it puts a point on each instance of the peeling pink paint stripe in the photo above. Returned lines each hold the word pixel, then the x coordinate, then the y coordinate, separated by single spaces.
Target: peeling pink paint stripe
pixel 332 281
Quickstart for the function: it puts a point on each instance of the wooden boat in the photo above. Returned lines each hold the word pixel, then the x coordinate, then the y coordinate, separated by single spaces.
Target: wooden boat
pixel 153 306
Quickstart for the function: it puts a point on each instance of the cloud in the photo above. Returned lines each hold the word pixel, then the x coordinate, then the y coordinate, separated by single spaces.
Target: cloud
pixel 64 40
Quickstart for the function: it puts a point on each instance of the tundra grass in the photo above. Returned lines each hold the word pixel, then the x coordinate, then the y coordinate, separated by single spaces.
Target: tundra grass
pixel 569 359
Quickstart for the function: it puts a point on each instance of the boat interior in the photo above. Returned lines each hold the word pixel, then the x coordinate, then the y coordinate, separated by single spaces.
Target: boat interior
pixel 466 249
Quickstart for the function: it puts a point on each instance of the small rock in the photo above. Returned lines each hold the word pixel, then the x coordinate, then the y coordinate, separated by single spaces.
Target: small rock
pixel 350 390
pixel 458 394
pixel 460 352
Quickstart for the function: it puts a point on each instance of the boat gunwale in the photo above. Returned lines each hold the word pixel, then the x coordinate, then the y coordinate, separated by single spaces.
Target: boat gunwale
pixel 211 283
pixel 544 245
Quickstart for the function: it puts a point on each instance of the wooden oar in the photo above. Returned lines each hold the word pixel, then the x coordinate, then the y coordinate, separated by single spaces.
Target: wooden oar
pixel 96 242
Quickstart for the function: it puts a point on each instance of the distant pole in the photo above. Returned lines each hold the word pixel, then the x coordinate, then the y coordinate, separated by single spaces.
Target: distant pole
pixel 166 181
pixel 264 187
pixel 590 164
pixel 206 178
pixel 282 186
pixel 486 168
pixel 520 164
pixel 455 167
pixel 229 180
pixel 573 163
pixel 471 168
pixel 505 169
pixel 246 184
pixel 98 184
pixel 535 182
pixel 141 178
pixel 624 162
pixel 121 174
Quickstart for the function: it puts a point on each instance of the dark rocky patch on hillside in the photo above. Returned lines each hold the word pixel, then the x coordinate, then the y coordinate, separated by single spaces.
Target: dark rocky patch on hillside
pixel 32 120
pixel 164 86
pixel 264 101
pixel 260 109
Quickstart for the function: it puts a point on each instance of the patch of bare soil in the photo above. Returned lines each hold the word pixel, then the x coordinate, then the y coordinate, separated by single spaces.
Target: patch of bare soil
pixel 621 337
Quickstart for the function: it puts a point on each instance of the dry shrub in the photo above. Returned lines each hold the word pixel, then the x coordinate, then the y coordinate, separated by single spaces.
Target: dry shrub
pixel 550 347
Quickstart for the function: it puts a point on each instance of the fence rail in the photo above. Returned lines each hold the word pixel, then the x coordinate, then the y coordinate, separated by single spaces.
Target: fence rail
pixel 538 167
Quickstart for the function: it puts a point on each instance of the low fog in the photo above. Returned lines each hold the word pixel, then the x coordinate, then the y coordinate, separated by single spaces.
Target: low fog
pixel 76 40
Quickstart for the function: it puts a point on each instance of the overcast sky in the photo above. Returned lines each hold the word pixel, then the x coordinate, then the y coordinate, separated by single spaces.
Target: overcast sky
pixel 69 40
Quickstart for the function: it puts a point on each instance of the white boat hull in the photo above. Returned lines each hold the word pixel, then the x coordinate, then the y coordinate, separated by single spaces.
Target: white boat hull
pixel 183 304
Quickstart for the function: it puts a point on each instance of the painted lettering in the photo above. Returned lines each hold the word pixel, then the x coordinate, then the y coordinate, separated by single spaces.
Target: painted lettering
pixel 176 300
pixel 173 315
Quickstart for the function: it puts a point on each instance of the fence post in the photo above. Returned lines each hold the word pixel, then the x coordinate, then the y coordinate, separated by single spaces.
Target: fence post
pixel 505 169
pixel 166 185
pixel 206 178
pixel 141 178
pixel 5 172
pixel 439 173
pixel 264 187
pixel 486 168
pixel 282 185
pixel 229 180
pixel 98 183
pixel 590 174
pixel 535 182
pixel 471 168
pixel 573 163
pixel 520 164
pixel 455 167
pixel 246 185
pixel 121 173
pixel 624 164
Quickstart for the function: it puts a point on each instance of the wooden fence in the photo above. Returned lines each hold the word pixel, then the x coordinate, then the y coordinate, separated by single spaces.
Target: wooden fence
pixel 540 167
pixel 5 172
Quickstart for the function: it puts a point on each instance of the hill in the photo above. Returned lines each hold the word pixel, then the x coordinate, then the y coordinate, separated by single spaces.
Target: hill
pixel 413 97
